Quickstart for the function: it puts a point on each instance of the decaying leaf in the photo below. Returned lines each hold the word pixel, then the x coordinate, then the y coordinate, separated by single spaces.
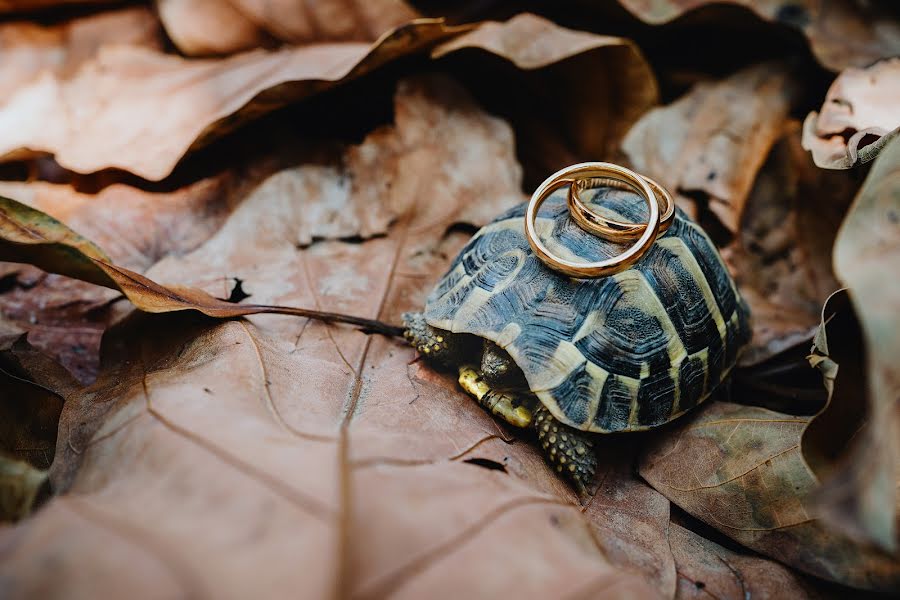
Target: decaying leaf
pixel 780 257
pixel 740 470
pixel 706 569
pixel 207 450
pixel 96 117
pixel 203 27
pixel 858 119
pixel 842 33
pixel 707 146
pixel 860 493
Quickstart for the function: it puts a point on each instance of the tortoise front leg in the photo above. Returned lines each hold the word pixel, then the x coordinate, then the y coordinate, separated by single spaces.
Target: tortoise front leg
pixel 569 451
pixel 497 403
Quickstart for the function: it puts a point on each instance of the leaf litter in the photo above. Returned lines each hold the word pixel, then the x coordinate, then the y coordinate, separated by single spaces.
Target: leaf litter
pixel 209 448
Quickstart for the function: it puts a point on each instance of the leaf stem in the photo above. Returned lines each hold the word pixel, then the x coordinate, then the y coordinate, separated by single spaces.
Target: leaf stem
pixel 370 325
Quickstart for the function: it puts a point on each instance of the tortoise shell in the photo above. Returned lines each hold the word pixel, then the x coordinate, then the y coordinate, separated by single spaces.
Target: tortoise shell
pixel 621 353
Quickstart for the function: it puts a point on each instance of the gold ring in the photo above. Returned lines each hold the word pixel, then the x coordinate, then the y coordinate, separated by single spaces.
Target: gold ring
pixel 611 229
pixel 568 176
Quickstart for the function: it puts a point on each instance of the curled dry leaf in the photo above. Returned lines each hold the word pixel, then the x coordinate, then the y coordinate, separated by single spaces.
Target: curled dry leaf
pixel 708 145
pixel 204 27
pixel 842 33
pixel 207 451
pixel 860 493
pixel 199 100
pixel 706 569
pixel 857 496
pixel 858 119
pixel 740 470
pixel 781 256
pixel 595 105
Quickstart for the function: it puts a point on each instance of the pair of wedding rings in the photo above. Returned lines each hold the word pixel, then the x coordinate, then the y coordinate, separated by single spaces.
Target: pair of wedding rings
pixel 660 205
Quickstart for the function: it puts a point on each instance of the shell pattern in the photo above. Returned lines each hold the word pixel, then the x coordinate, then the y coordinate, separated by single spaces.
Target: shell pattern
pixel 621 353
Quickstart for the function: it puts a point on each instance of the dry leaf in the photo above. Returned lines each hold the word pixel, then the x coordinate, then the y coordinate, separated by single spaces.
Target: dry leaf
pixel 781 256
pixel 203 27
pixel 859 117
pixel 707 146
pixel 198 100
pixel 740 470
pixel 860 493
pixel 207 451
pixel 857 496
pixel 29 407
pixel 30 49
pixel 137 228
pixel 604 102
pixel 21 486
pixel 96 119
pixel 706 569
pixel 631 519
pixel 842 33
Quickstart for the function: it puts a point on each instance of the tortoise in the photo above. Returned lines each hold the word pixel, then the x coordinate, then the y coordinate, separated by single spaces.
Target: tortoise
pixel 572 358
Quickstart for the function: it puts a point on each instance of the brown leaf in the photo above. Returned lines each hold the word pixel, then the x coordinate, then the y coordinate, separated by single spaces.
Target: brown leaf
pixel 20 487
pixel 858 119
pixel 708 145
pixel 604 102
pixel 706 569
pixel 204 27
pixel 199 100
pixel 207 451
pixel 31 399
pixel 860 492
pixel 780 257
pixel 65 317
pixel 842 33
pixel 97 117
pixel 30 49
pixel 740 470
pixel 631 519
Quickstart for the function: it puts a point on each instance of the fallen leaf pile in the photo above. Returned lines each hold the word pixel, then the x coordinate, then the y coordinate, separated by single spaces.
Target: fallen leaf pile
pixel 213 215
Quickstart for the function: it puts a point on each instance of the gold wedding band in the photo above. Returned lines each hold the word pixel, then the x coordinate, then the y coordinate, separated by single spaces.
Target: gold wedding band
pixel 611 229
pixel 568 176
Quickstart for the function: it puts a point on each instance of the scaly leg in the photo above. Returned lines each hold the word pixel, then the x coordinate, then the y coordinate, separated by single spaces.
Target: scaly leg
pixel 568 450
pixel 498 403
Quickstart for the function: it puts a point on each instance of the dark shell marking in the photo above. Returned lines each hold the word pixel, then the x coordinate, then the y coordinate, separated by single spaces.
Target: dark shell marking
pixel 621 353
